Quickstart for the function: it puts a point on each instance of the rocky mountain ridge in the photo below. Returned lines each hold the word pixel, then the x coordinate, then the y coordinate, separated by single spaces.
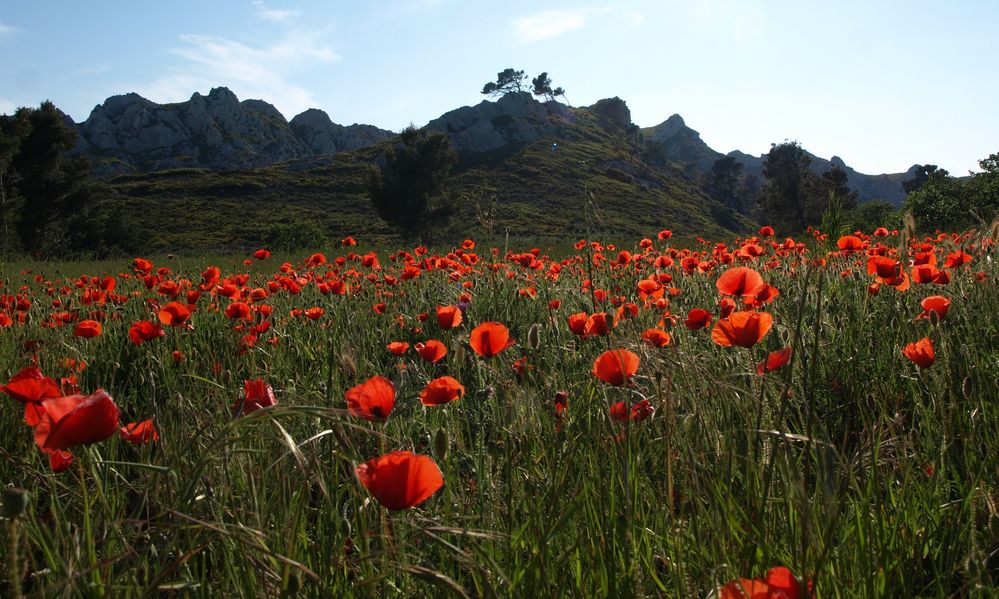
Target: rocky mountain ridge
pixel 129 133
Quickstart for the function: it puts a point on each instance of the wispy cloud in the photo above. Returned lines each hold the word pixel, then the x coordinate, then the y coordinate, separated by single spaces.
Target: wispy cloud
pixel 6 106
pixel 271 14
pixel 6 30
pixel 259 71
pixel 549 24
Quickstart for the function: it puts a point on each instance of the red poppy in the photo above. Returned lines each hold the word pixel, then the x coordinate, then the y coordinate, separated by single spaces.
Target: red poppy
pixel 577 323
pixel 31 388
pixel 372 400
pixel 881 232
pixel 616 366
pixel 174 314
pixel 142 265
pixel 88 329
pixel 398 348
pixel 597 324
pixel 448 317
pixel 664 234
pixel 884 267
pixel 401 479
pixel 850 243
pixel 314 313
pixel 238 311
pixel 655 337
pixel 744 329
pixel 489 339
pixel 60 461
pixel 957 259
pixel 72 420
pixel 935 303
pixel 740 281
pixel 726 306
pixel 256 395
pixel 261 254
pixel 698 318
pixel 139 433
pixel 766 231
pixel 920 352
pixel 780 583
pixel 432 350
pixel 774 360
pixel 441 391
pixel 143 331
pixel 640 411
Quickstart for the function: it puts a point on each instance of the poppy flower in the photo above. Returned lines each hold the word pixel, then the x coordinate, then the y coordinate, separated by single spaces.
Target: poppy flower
pixel 30 387
pixel 143 331
pixel 616 366
pixel 773 361
pixel 957 259
pixel 261 254
pixel 740 281
pixel 448 317
pixel 780 583
pixel 596 324
pixel 851 243
pixel 72 420
pixel 88 329
pixel 314 313
pixel 766 231
pixel 920 352
pixel 238 311
pixel 881 232
pixel 744 329
pixel 441 391
pixel 256 395
pixel 372 400
pixel 489 339
pixel 139 433
pixel 655 337
pixel 398 348
pixel 577 323
pixel 432 350
pixel 174 314
pixel 697 318
pixel 60 460
pixel 934 303
pixel 641 410
pixel 401 479
pixel 884 267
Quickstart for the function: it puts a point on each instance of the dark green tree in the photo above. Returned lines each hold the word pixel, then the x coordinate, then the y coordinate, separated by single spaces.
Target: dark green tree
pixel 941 202
pixel 542 86
pixel 783 199
pixel 723 181
pixel 13 130
pixel 405 188
pixel 53 185
pixel 985 188
pixel 507 81
pixel 921 176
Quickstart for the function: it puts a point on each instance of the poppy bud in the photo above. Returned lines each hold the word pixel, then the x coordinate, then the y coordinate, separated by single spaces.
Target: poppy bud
pixel 934 317
pixel 440 444
pixel 966 388
pixel 15 501
pixel 534 337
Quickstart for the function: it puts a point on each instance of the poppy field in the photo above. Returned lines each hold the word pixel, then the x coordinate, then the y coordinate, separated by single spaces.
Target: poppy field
pixel 752 417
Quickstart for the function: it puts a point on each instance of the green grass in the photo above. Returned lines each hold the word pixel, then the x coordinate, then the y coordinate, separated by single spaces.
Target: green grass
pixel 822 466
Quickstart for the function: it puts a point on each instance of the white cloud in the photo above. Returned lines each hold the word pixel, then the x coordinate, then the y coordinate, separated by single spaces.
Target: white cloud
pixel 251 71
pixel 6 106
pixel 547 24
pixel 273 15
pixel 6 30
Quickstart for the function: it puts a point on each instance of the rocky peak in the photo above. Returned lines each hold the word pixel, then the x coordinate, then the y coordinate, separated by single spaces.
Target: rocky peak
pixel 613 113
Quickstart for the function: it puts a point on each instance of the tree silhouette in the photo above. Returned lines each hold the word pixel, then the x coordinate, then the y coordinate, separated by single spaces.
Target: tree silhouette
pixel 404 188
pixel 542 86
pixel 507 81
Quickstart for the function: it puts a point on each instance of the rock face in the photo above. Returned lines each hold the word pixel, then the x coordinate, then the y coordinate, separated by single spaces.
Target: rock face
pixel 514 119
pixel 128 133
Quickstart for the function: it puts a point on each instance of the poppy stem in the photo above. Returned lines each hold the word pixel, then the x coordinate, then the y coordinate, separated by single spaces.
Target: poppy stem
pixel 14 562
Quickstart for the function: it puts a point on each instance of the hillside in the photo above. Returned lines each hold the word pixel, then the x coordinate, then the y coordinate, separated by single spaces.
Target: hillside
pixel 509 174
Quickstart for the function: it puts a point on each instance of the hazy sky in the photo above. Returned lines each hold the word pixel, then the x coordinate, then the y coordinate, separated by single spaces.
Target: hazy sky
pixel 882 84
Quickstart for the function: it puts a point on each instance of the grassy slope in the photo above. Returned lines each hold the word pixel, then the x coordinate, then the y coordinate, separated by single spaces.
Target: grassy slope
pixel 539 194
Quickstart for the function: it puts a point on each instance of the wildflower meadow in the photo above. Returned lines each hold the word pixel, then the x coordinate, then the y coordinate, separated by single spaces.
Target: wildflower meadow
pixel 749 417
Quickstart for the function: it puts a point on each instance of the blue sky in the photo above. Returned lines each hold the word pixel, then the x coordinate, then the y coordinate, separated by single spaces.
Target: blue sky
pixel 882 84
